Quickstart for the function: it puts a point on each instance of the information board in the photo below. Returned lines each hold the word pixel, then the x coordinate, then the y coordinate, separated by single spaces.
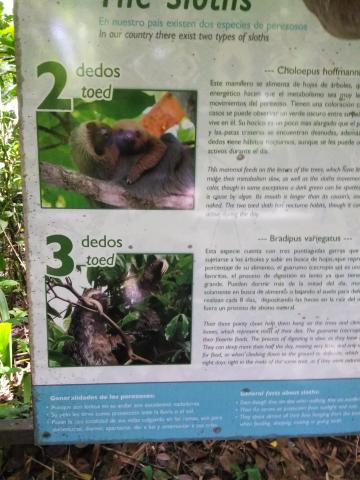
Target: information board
pixel 192 190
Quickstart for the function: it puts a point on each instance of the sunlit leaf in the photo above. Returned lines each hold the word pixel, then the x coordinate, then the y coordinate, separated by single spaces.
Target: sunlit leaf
pixel 4 309
pixel 9 370
pixel 177 328
pixel 3 225
pixel 148 472
pixel 5 344
pixel 67 322
pixel 8 284
pixel 129 318
pixel 253 473
pixel 26 384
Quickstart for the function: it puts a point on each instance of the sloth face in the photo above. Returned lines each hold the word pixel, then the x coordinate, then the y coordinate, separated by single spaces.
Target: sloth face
pixel 100 136
pixel 128 142
pixel 94 294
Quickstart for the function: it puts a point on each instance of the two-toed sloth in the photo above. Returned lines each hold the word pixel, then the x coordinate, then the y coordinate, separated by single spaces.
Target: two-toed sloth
pixel 341 18
pixel 147 167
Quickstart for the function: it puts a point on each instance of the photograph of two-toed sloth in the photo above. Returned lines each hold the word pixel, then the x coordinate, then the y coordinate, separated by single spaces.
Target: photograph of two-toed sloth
pixel 136 151
pixel 136 313
pixel 340 18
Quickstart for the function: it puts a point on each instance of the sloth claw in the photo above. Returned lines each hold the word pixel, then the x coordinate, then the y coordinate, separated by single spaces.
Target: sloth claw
pixel 165 267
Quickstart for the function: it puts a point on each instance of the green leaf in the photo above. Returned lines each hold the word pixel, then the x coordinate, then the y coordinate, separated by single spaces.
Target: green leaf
pixel 161 475
pixel 92 274
pixel 186 135
pixel 129 318
pixel 13 411
pixel 26 384
pixel 8 285
pixel 148 472
pixel 124 104
pixel 3 225
pixel 51 311
pixel 9 371
pixel 6 214
pixel 184 279
pixel 4 309
pixel 22 346
pixel 18 316
pixel 178 328
pixel 5 344
pixel 253 473
pixel 67 322
pixel 58 359
pixel 237 472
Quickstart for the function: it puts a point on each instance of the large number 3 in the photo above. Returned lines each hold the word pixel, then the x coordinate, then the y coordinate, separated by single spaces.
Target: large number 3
pixel 52 101
pixel 67 263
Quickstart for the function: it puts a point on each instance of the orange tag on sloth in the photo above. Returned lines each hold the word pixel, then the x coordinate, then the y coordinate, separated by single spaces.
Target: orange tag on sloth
pixel 166 113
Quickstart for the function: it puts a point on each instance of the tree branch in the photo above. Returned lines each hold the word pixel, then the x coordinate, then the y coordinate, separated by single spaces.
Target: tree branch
pixel 91 188
pixel 87 302
pixel 106 192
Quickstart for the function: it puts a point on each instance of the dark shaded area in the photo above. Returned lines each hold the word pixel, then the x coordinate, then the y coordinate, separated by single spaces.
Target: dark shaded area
pixel 333 458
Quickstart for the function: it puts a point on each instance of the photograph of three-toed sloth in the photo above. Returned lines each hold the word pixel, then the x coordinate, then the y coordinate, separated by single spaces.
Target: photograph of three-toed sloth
pixel 97 157
pixel 135 313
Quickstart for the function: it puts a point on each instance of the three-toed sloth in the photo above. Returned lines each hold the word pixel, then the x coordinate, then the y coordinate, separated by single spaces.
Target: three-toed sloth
pixel 92 344
pixel 137 288
pixel 147 167
pixel 95 343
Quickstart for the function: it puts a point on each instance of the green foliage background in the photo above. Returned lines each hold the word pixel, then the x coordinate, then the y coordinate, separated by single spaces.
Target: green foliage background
pixel 15 384
pixel 172 301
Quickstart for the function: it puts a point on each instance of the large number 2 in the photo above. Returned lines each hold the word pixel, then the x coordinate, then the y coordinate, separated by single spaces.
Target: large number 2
pixel 52 101
pixel 67 263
